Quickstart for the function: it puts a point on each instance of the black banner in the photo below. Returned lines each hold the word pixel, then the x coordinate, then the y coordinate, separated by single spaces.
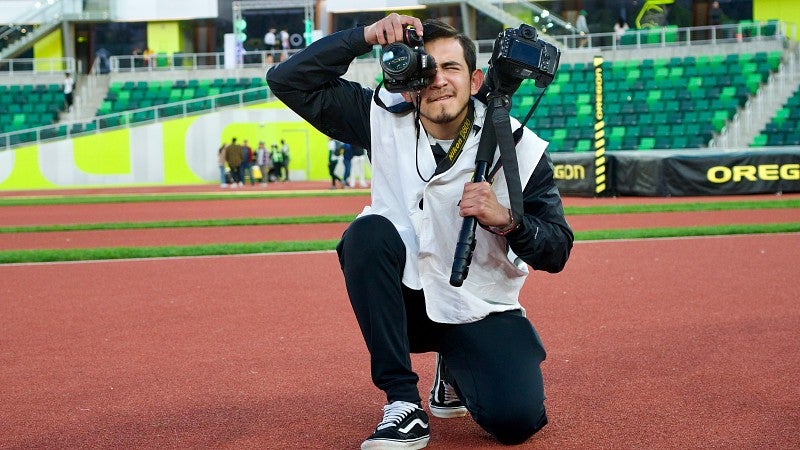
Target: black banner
pixel 574 173
pixel 682 172
pixel 740 173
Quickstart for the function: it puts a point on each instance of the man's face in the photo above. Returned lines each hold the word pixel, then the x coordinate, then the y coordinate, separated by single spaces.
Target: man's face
pixel 445 100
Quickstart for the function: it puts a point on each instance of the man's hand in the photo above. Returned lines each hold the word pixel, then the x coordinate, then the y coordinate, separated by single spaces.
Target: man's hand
pixel 390 29
pixel 479 200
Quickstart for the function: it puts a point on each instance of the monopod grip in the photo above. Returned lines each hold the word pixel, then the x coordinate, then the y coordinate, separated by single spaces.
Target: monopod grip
pixel 466 237
pixel 463 254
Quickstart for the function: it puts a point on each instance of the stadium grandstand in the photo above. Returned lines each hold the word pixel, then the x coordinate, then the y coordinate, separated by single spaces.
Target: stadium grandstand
pixel 674 106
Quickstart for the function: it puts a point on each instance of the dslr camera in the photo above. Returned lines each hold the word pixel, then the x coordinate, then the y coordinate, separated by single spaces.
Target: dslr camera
pixel 406 67
pixel 519 54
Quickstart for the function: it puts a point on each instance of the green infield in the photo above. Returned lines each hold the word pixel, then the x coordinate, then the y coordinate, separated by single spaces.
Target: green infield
pixel 644 206
pixel 169 197
pixel 31 256
pixel 181 224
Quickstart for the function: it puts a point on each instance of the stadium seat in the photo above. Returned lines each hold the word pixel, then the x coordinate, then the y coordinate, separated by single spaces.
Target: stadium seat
pixel 759 141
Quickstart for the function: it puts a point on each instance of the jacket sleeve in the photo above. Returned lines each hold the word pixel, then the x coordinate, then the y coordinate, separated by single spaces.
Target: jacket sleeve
pixel 310 84
pixel 544 240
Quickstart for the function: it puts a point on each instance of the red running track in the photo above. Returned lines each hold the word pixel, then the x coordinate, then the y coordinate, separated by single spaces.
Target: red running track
pixel 673 343
pixel 301 232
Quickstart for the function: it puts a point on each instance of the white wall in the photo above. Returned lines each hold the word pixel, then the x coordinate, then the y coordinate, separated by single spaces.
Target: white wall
pixel 122 10
pixel 335 6
pixel 140 10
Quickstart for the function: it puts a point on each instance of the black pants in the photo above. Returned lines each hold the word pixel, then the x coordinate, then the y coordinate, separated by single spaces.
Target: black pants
pixel 332 172
pixel 493 363
pixel 236 174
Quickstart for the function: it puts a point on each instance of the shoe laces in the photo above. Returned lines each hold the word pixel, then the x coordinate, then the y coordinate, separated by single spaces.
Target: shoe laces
pixel 395 412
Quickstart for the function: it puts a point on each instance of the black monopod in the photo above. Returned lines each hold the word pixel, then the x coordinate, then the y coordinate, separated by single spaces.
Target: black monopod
pixel 466 237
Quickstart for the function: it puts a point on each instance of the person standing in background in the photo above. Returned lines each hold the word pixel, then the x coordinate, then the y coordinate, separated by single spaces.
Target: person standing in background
pixel 716 17
pixel 223 179
pixel 620 28
pixel 269 42
pixel 284 35
pixel 233 155
pixel 333 160
pixel 277 161
pixel 582 27
pixel 264 162
pixel 359 166
pixel 69 86
pixel 715 14
pixel 286 158
pixel 347 160
pixel 247 163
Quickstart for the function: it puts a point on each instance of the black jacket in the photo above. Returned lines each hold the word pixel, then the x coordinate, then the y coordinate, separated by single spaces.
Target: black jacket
pixel 310 84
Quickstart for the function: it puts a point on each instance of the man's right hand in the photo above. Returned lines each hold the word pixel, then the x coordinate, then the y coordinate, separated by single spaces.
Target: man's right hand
pixel 390 29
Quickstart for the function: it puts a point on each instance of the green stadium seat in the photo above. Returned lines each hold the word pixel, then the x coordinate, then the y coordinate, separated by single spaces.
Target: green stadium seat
pixel 583 145
pixel 647 143
pixel 260 95
pixel 110 121
pixel 106 107
pixel 679 142
pixel 614 143
pixel 583 109
pixel 198 105
pixel 774 60
pixel 759 141
pixel 769 28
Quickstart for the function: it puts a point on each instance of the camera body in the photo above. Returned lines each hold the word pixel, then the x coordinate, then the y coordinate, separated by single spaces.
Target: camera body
pixel 406 67
pixel 520 54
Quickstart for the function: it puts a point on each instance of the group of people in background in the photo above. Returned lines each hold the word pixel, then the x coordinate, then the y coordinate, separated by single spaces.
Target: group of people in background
pixel 347 164
pixel 236 163
pixel 275 41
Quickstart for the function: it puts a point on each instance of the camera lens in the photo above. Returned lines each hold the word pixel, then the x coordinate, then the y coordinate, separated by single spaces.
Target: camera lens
pixel 398 60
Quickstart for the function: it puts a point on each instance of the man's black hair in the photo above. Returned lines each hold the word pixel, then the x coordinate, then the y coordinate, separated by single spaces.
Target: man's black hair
pixel 436 29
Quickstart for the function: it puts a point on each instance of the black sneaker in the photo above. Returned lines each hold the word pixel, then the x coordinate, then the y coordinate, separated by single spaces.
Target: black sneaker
pixel 444 402
pixel 404 425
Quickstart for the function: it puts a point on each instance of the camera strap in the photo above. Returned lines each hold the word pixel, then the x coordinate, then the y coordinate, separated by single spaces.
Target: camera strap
pixel 518 132
pixel 458 143
pixel 499 106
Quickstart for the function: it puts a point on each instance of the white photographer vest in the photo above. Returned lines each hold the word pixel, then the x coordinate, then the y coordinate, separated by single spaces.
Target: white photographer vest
pixel 494 280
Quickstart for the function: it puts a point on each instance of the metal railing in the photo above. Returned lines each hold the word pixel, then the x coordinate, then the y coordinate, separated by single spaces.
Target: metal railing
pixel 636 39
pixel 141 116
pixel 686 37
pixel 193 61
pixel 25 66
